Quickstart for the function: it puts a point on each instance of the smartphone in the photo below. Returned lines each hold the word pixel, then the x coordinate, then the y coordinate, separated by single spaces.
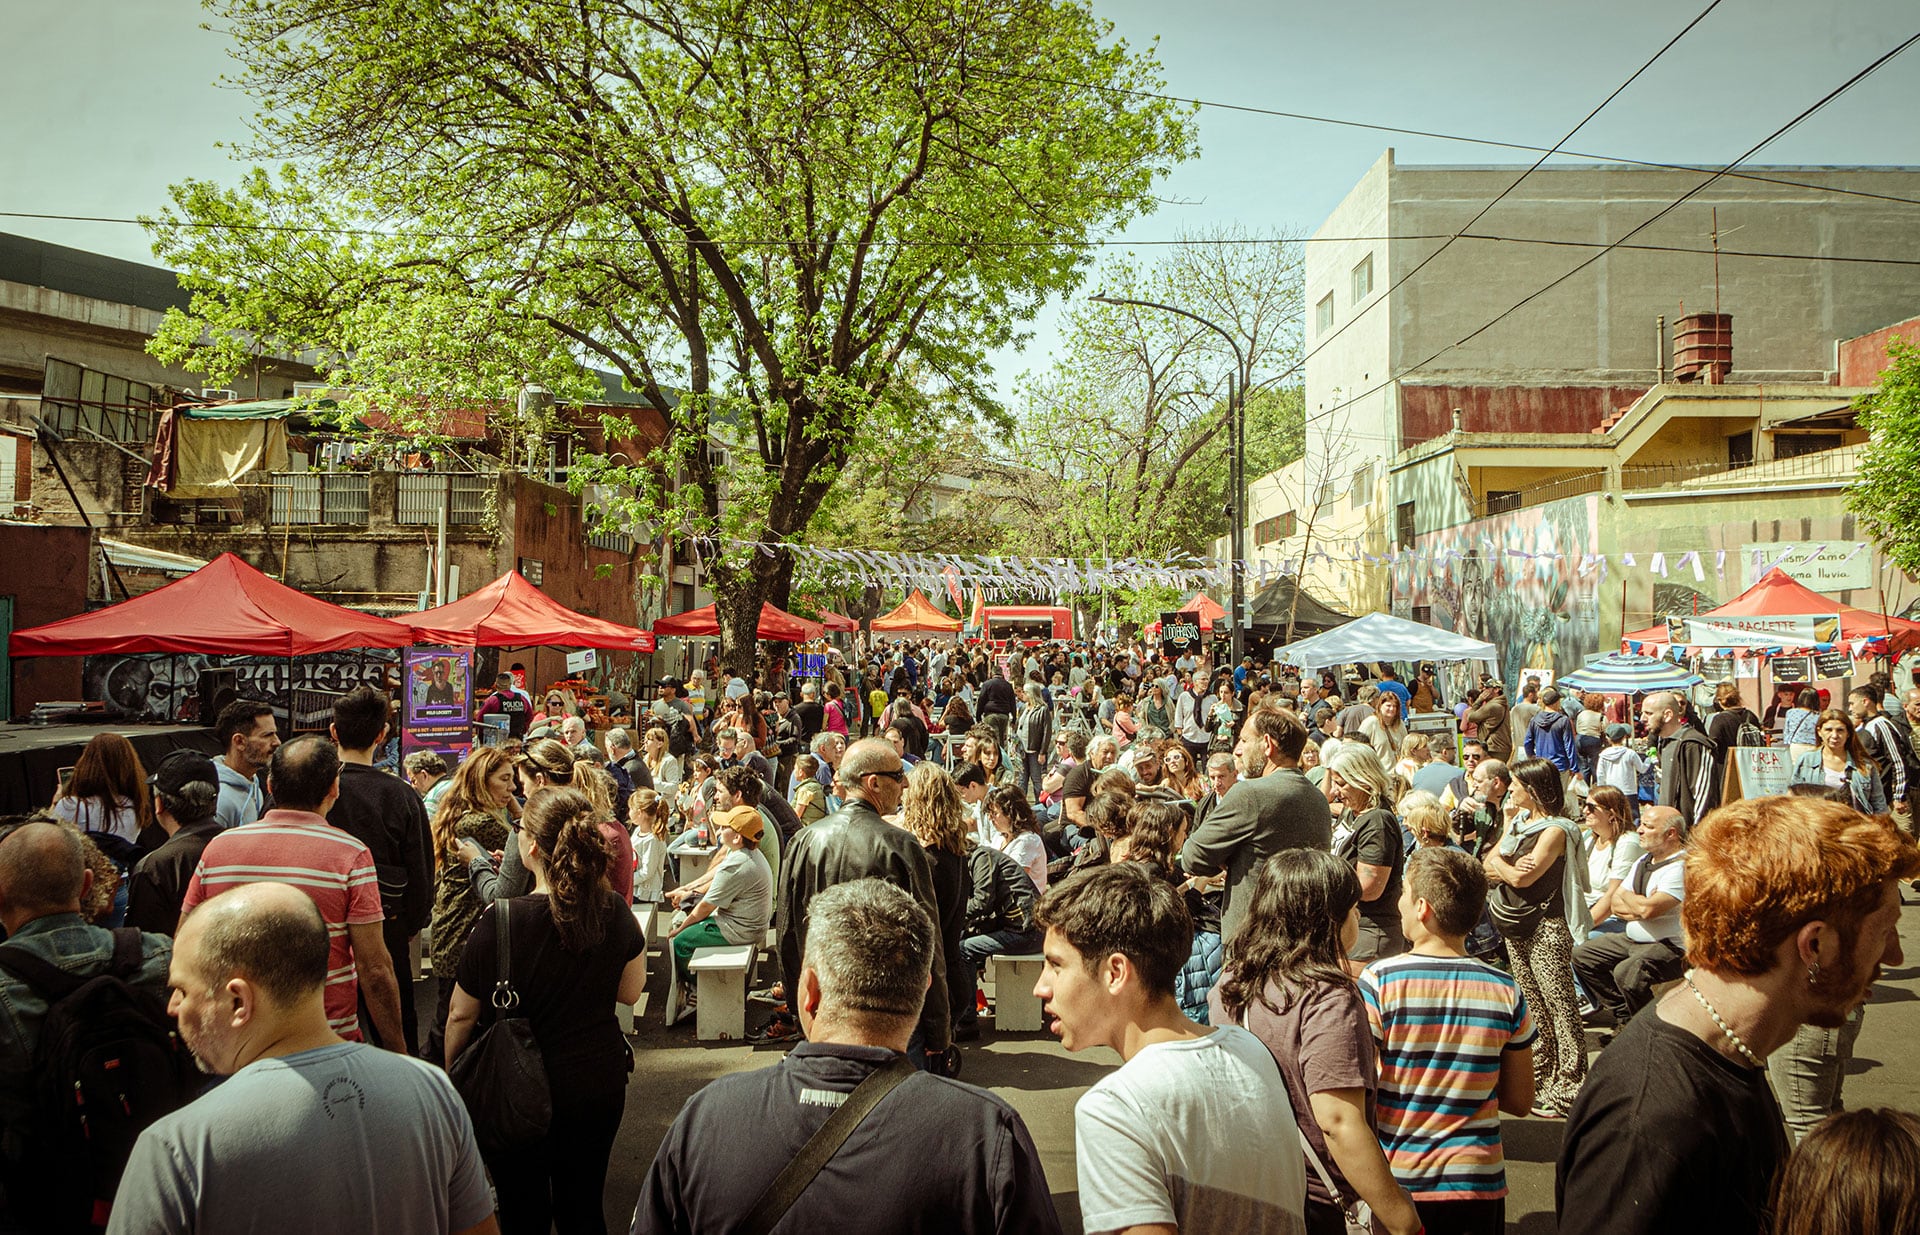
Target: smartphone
pixel 66 781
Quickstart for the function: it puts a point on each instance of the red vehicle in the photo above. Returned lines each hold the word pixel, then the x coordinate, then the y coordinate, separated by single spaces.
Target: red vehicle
pixel 1028 623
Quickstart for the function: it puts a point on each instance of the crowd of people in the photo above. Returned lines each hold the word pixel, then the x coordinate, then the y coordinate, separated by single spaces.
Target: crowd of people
pixel 1299 913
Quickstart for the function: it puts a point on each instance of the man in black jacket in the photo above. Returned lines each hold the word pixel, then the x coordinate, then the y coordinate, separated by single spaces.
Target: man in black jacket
pixel 385 814
pixel 999 921
pixel 186 790
pixel 997 702
pixel 856 843
pixel 1686 758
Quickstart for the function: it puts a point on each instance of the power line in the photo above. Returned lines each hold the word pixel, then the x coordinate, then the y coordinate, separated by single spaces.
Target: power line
pixel 885 242
pixel 1825 99
pixel 1423 263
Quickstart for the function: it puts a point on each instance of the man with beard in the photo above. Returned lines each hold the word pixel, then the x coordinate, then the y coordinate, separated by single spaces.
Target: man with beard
pixel 1792 907
pixel 1272 807
pixel 379 1140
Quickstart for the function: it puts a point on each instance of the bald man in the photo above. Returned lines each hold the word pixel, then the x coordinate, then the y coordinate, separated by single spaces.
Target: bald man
pixel 43 881
pixel 378 1141
pixel 1621 969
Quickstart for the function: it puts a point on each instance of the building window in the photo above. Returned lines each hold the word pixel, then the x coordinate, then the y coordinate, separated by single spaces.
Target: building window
pixel 1363 279
pixel 1500 501
pixel 533 570
pixel 1279 527
pixel 1362 490
pixel 1403 526
pixel 1323 313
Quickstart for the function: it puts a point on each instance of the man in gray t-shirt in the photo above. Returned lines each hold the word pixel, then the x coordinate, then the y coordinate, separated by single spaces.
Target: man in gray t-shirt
pixel 377 1141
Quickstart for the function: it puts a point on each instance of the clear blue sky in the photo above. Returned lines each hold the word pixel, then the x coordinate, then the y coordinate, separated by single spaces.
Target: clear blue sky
pixel 109 101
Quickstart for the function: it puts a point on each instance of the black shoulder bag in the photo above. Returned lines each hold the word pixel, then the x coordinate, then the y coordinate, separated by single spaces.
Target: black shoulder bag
pixel 822 1146
pixel 500 1076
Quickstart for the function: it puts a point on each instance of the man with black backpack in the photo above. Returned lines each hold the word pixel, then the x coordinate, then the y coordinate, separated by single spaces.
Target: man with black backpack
pixel 88 1057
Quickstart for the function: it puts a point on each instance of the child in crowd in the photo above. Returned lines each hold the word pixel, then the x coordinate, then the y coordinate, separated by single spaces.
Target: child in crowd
pixel 1620 765
pixel 648 812
pixel 1456 1049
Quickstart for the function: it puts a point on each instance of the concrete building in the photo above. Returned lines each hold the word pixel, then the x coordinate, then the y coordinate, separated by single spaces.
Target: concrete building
pixel 1392 354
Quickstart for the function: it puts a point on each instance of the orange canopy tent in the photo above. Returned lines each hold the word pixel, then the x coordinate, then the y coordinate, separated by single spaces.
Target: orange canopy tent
pixel 1204 605
pixel 916 616
pixel 1779 595
pixel 512 613
pixel 776 625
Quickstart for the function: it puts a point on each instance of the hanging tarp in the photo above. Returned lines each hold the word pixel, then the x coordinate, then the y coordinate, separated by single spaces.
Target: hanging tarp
pixel 1383 637
pixel 512 613
pixel 209 457
pixel 226 608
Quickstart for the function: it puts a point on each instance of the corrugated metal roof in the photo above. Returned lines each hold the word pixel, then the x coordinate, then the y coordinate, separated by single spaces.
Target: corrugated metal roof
pixel 139 557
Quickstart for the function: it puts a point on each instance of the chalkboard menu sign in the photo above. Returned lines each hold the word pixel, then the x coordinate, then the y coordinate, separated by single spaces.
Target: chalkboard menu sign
pixel 1789 670
pixel 1716 668
pixel 1832 665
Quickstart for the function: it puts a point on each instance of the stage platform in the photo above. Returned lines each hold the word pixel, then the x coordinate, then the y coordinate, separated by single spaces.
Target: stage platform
pixel 31 756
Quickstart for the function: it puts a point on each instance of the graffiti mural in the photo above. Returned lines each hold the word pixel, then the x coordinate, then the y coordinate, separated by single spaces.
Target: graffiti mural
pixel 1513 580
pixel 165 688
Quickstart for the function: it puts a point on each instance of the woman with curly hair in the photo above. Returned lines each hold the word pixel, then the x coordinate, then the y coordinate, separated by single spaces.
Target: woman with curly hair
pixel 1285 979
pixel 575 952
pixel 931 810
pixel 477 807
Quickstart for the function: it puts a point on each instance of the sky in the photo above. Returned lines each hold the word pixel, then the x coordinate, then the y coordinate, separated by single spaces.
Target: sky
pixel 110 101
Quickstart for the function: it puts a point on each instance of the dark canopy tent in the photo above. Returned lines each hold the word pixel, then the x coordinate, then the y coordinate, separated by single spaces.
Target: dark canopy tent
pixel 512 613
pixel 226 608
pixel 1272 603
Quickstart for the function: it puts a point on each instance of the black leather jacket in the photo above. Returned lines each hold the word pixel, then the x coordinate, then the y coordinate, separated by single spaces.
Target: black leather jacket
pixel 856 843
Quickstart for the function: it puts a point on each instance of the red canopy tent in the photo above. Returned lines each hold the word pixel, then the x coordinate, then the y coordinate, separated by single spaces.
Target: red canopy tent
pixel 1204 605
pixel 225 608
pixel 1779 595
pixel 512 613
pixel 776 625
pixel 837 621
pixel 916 616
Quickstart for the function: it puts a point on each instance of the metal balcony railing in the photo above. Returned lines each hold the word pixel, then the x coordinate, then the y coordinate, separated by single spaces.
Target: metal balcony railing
pixel 333 498
pixel 418 495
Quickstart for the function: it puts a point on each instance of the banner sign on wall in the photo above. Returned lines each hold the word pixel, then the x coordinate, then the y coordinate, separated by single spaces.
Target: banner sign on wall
pixel 1774 630
pixel 436 701
pixel 1824 566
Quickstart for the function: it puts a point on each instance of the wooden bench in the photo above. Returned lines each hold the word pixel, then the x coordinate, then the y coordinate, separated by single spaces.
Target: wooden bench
pixel 1015 1007
pixel 724 975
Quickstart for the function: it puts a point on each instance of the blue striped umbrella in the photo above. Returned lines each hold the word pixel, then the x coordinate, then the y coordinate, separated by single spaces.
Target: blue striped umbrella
pixel 1623 673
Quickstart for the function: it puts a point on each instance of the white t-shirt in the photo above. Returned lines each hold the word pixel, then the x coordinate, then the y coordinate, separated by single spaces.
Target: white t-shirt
pixel 1668 877
pixel 1608 863
pixel 1029 851
pixel 1196 1133
pixel 85 814
pixel 742 896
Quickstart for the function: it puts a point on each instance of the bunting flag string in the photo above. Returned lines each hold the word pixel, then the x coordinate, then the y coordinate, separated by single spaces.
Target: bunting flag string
pixel 1005 577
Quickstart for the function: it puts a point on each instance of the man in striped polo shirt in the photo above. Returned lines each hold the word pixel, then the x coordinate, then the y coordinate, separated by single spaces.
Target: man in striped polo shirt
pixel 1456 1049
pixel 294 844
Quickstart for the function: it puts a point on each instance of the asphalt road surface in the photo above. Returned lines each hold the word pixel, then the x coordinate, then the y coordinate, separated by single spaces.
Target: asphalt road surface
pixel 1043 1082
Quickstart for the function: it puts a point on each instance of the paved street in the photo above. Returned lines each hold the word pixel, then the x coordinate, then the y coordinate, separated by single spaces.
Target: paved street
pixel 1042 1081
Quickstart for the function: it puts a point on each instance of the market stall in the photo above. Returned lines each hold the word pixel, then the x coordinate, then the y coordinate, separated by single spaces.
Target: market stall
pixel 512 613
pixel 916 617
pixel 1383 637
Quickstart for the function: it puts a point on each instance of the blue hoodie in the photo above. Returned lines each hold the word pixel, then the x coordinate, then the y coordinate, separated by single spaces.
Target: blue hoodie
pixel 1550 737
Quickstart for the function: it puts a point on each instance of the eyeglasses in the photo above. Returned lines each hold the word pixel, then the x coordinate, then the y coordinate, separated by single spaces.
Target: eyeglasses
pixel 894 774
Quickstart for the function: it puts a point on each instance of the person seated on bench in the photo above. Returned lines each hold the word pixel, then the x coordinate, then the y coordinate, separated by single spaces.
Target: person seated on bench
pixel 739 904
pixel 999 920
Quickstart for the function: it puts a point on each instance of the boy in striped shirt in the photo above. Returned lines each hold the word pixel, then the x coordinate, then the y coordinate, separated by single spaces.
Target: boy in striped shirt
pixel 1456 1049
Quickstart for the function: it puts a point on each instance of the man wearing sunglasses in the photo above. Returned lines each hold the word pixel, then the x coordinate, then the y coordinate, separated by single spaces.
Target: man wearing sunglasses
pixel 855 842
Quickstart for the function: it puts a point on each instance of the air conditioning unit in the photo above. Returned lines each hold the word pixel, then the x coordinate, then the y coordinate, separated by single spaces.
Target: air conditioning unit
pixel 219 394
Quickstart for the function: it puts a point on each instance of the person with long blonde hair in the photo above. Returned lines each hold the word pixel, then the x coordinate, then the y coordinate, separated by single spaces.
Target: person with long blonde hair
pixel 649 813
pixel 931 810
pixel 479 807
pixel 1177 771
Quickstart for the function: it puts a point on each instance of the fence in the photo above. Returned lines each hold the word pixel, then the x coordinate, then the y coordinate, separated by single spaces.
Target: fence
pixel 339 498
pixel 417 498
pixel 1641 477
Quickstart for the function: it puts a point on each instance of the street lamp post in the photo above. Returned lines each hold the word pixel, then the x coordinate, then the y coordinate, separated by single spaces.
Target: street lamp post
pixel 1236 467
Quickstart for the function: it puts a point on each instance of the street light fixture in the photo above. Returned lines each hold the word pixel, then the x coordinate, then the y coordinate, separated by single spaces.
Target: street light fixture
pixel 1236 468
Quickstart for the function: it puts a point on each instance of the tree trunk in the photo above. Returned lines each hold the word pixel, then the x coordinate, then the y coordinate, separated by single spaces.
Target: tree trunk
pixel 738 592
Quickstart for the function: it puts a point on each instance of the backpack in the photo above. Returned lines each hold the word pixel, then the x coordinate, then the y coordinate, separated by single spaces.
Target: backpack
pixel 1749 732
pixel 679 735
pixel 109 1063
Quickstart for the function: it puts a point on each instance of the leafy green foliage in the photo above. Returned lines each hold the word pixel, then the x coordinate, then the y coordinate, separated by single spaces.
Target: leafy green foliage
pixel 785 224
pixel 1886 492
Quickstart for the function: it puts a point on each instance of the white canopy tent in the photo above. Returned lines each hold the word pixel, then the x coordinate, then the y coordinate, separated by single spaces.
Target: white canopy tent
pixel 1381 636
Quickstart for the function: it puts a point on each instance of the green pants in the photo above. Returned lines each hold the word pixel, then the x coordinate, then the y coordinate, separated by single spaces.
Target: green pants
pixel 702 934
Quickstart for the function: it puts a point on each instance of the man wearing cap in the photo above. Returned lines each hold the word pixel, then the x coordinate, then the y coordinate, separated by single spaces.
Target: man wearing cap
pixel 682 729
pixel 1488 716
pixel 509 701
pixel 739 902
pixel 186 792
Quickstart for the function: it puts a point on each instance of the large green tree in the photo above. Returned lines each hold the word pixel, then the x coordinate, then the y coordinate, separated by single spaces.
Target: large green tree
pixel 1886 493
pixel 760 215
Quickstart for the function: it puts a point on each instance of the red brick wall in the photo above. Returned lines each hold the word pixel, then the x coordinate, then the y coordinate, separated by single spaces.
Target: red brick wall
pixel 568 570
pixel 1862 359
pixel 1427 411
pixel 47 573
